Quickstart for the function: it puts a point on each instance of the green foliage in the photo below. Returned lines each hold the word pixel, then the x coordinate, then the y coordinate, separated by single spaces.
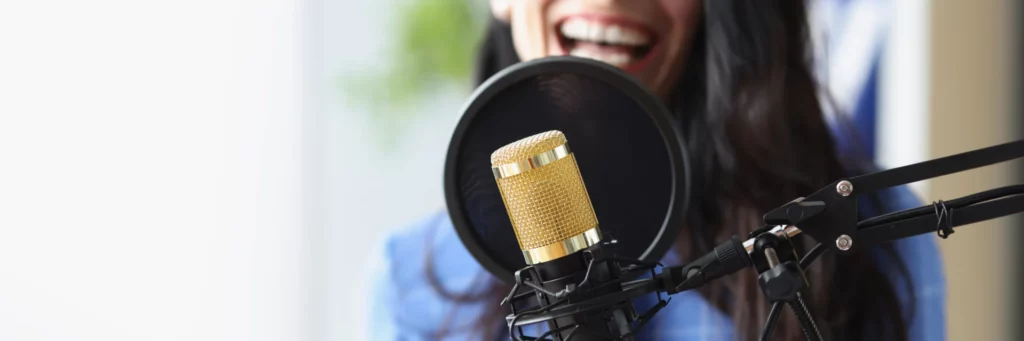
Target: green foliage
pixel 440 34
pixel 433 49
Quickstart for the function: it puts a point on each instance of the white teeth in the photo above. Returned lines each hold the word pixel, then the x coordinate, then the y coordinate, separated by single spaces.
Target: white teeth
pixel 614 32
pixel 590 31
pixel 595 33
pixel 582 29
pixel 574 29
pixel 616 59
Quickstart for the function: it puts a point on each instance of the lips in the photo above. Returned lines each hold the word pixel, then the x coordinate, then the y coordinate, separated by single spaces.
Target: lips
pixel 615 41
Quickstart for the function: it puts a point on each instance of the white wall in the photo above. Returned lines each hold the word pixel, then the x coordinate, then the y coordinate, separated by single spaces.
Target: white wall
pixel 904 88
pixel 372 187
pixel 152 179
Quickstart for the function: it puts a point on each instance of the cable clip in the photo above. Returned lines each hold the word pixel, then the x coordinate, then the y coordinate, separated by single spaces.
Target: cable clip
pixel 944 225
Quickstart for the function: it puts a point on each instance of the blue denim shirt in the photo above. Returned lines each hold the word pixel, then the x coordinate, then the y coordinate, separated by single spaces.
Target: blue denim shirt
pixel 406 307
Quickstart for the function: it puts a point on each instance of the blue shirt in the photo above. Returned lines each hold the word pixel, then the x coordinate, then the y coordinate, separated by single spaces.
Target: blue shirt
pixel 405 306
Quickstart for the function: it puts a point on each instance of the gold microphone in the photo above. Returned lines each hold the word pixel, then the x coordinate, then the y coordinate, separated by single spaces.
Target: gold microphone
pixel 545 197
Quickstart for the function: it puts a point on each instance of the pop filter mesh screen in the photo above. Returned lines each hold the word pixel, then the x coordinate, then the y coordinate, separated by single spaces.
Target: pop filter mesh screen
pixel 621 154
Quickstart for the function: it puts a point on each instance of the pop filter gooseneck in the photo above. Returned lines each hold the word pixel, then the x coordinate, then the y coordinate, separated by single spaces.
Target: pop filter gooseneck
pixel 631 156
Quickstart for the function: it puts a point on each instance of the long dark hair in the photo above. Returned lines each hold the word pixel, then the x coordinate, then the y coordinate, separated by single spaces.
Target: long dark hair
pixel 749 107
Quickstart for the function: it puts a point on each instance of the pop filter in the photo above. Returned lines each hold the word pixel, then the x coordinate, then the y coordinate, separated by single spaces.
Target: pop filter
pixel 629 153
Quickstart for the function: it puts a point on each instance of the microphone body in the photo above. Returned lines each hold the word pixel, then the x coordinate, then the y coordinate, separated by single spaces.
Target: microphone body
pixel 568 272
pixel 558 233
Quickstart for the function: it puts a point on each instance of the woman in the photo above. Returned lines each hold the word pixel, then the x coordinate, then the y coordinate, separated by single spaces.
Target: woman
pixel 736 74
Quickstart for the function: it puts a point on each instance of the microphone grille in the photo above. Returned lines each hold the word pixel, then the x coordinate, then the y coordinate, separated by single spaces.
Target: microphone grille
pixel 545 197
pixel 527 147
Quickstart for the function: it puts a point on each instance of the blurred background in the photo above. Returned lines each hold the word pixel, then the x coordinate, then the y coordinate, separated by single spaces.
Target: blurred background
pixel 214 170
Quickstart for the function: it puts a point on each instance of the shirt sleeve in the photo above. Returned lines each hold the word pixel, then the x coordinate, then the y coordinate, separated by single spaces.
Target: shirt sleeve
pixel 922 292
pixel 389 303
pixel 381 304
pixel 404 305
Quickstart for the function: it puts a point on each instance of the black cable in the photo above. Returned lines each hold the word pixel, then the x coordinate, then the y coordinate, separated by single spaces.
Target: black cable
pixel 944 219
pixel 811 256
pixel 773 319
pixel 952 204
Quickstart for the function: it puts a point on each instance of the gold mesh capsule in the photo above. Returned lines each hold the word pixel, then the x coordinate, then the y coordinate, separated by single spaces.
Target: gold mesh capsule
pixel 527 147
pixel 546 202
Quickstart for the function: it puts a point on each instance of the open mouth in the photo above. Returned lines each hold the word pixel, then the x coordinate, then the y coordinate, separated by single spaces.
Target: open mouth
pixel 623 45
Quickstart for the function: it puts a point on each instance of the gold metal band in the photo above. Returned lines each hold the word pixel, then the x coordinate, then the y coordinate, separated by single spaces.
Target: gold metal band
pixel 563 248
pixel 536 161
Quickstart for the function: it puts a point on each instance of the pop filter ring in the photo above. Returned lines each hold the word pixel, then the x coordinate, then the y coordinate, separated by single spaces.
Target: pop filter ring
pixel 670 133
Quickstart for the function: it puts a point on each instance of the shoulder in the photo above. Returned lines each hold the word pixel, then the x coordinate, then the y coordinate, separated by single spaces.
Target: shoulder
pixel 407 304
pixel 430 244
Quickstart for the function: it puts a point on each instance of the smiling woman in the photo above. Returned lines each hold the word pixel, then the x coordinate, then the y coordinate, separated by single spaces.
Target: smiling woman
pixel 648 39
pixel 736 76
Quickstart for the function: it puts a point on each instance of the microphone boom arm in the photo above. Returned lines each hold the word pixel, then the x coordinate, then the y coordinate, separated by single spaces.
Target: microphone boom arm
pixel 828 216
